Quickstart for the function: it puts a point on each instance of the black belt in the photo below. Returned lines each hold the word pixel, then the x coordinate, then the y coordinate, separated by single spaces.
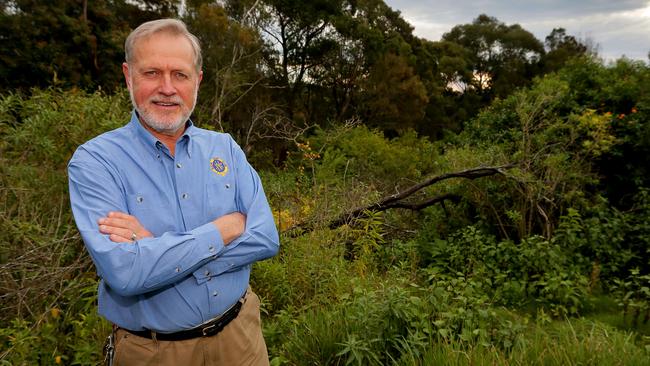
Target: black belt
pixel 204 330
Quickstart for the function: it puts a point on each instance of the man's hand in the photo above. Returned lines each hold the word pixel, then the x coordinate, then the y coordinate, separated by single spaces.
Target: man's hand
pixel 122 228
pixel 231 226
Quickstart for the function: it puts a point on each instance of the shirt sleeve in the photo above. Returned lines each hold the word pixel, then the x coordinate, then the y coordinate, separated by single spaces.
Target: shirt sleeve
pixel 147 264
pixel 260 239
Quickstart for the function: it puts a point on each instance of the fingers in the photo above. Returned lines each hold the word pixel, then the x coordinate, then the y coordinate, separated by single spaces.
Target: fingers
pixel 119 239
pixel 121 215
pixel 121 227
pixel 117 223
pixel 118 219
pixel 116 231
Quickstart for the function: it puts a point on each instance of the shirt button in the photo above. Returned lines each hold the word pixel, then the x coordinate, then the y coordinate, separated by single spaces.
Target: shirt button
pixel 207 273
pixel 178 269
pixel 211 248
pixel 227 186
pixel 184 196
pixel 214 293
pixel 179 165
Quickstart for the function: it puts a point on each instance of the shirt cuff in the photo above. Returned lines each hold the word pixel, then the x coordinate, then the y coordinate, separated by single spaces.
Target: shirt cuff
pixel 209 236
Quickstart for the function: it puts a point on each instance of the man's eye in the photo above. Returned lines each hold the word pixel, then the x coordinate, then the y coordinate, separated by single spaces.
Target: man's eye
pixel 181 76
pixel 151 73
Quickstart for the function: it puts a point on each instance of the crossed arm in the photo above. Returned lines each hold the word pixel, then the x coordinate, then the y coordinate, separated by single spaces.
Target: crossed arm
pixel 121 227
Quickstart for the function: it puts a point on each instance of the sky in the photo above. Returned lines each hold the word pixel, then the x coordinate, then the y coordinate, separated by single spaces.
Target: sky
pixel 615 27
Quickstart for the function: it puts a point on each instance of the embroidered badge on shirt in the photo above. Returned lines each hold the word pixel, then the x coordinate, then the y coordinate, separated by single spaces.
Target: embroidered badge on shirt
pixel 218 166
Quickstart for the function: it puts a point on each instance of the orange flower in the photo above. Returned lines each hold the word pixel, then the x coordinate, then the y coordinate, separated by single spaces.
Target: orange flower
pixel 57 360
pixel 633 110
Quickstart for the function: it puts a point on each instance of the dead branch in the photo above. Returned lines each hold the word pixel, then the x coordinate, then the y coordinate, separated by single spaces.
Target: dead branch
pixel 396 200
pixel 424 204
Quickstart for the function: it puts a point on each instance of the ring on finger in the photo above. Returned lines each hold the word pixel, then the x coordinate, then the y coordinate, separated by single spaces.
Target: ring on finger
pixel 134 236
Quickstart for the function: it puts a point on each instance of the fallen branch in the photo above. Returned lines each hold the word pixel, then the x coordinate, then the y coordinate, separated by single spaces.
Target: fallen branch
pixel 397 200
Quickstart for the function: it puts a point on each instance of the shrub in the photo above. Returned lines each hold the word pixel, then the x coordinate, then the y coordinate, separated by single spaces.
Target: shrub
pixel 533 271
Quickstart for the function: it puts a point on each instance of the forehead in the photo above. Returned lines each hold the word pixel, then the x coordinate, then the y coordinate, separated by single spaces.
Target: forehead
pixel 164 48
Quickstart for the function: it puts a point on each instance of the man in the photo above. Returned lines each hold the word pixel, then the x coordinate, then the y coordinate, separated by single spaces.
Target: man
pixel 173 216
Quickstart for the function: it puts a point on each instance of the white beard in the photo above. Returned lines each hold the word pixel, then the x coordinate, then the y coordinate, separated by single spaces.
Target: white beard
pixel 167 126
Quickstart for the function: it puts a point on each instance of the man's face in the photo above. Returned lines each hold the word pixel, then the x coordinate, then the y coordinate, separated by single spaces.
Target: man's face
pixel 163 81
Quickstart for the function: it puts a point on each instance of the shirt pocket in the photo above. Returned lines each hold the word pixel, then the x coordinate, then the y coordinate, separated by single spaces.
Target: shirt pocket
pixel 220 199
pixel 153 212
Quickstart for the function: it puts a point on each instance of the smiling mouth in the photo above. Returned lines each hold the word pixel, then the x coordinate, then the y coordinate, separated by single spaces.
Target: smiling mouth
pixel 165 104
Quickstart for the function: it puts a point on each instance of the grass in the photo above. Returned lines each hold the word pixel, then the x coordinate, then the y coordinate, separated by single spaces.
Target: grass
pixel 571 342
pixel 352 334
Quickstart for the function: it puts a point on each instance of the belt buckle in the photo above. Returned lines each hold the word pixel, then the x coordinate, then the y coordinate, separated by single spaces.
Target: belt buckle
pixel 205 330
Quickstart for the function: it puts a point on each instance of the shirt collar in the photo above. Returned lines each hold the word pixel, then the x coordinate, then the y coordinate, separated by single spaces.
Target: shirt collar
pixel 152 143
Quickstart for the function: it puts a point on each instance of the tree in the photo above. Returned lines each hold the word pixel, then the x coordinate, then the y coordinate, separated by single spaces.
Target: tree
pixel 390 92
pixel 394 96
pixel 442 66
pixel 232 51
pixel 69 43
pixel 502 57
pixel 299 34
pixel 560 47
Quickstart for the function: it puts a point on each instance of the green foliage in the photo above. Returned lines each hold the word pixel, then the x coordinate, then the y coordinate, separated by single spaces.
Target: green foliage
pixel 72 335
pixel 556 143
pixel 395 98
pixel 365 155
pixel 634 296
pixel 47 295
pixel 39 135
pixel 576 342
pixel 606 241
pixel 307 272
pixel 532 272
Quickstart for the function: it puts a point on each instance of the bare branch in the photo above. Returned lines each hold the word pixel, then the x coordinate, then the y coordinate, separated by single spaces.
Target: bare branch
pixel 396 200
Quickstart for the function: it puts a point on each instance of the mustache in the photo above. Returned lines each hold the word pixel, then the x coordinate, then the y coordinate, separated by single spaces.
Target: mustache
pixel 174 99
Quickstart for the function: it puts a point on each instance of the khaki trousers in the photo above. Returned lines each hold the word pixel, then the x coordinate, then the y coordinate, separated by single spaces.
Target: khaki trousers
pixel 239 343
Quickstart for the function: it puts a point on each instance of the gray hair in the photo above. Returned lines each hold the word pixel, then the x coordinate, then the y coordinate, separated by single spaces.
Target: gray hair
pixel 169 26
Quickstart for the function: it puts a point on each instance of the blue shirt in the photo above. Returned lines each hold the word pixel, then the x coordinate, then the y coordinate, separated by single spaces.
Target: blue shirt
pixel 184 275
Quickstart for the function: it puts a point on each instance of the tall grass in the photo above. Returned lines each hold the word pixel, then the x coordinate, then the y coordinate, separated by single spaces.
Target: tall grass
pixel 575 342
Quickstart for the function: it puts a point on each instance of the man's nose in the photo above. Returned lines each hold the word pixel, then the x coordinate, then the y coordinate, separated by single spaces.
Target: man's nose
pixel 166 85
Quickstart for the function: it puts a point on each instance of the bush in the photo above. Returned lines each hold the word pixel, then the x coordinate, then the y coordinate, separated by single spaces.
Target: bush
pixel 46 277
pixel 534 271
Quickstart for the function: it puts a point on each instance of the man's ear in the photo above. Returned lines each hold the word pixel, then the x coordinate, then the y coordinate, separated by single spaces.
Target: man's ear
pixel 200 76
pixel 126 72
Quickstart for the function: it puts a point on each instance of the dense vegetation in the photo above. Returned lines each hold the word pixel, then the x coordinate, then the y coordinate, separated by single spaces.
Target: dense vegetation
pixel 545 259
